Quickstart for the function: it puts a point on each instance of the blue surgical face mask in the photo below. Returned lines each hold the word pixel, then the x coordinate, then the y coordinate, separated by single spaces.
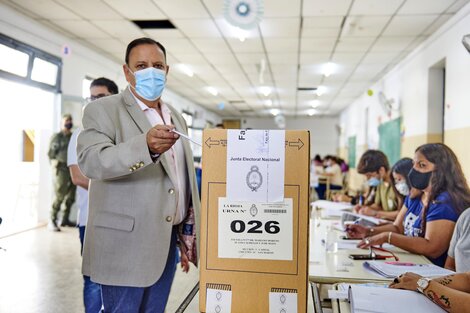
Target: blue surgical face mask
pixel 402 188
pixel 149 83
pixel 373 182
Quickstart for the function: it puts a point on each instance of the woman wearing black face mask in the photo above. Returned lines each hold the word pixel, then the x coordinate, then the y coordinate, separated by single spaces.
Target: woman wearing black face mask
pixel 425 223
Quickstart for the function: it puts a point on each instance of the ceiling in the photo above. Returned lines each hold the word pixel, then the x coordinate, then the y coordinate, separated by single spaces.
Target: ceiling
pixel 363 39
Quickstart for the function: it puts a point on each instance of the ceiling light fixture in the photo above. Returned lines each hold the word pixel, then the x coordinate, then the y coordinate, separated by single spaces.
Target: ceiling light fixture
pixel 312 112
pixel 315 103
pixel 265 90
pixel 328 69
pixel 268 102
pixel 186 70
pixel 241 35
pixel 212 91
pixel 275 112
pixel 320 90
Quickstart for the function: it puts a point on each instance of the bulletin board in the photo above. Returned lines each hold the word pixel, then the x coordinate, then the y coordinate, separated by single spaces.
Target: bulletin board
pixel 352 152
pixel 390 140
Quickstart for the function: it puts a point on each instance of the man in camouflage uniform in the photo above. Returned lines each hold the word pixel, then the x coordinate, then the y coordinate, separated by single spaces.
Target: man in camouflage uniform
pixel 64 188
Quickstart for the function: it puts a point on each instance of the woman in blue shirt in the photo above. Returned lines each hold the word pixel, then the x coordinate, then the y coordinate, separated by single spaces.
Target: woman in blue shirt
pixel 425 224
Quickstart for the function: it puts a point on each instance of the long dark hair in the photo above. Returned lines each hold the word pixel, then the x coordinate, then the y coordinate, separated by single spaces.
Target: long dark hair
pixel 447 177
pixel 402 167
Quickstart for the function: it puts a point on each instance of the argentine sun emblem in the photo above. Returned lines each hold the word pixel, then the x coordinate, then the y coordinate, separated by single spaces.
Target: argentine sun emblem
pixel 253 210
pixel 254 179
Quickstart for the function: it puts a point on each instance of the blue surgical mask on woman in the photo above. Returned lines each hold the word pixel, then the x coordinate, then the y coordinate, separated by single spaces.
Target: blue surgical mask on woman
pixel 402 188
pixel 373 181
pixel 149 83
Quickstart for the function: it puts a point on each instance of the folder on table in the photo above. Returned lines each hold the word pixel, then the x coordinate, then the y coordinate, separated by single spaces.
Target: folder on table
pixel 386 300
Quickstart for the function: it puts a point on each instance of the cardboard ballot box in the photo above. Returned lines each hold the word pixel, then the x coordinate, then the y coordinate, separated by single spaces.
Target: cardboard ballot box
pixel 257 251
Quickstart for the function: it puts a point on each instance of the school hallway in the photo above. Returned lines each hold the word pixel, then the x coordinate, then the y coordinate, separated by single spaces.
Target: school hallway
pixel 40 272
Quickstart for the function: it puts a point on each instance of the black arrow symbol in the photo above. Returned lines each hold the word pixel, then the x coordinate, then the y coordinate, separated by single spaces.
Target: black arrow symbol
pixel 299 143
pixel 210 142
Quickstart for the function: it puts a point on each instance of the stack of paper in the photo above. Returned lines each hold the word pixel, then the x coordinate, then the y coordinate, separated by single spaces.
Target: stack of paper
pixel 386 300
pixel 330 208
pixel 394 269
pixel 363 220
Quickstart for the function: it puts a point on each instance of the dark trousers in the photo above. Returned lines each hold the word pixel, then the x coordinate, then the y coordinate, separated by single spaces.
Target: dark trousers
pixel 152 299
pixel 91 291
pixel 321 190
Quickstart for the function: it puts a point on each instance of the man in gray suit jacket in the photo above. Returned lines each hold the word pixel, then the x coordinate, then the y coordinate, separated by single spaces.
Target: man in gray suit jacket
pixel 142 186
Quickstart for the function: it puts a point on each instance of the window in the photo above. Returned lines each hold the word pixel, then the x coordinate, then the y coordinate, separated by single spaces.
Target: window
pixel 13 61
pixel 44 72
pixel 25 64
pixel 86 82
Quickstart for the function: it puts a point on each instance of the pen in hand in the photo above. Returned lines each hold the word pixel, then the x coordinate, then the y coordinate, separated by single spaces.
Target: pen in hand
pixel 184 136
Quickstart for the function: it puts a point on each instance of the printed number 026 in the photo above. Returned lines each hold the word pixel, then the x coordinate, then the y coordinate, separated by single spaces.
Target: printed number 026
pixel 271 227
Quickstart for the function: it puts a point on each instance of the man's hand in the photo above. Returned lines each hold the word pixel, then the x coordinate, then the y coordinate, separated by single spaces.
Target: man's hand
pixel 160 139
pixel 184 262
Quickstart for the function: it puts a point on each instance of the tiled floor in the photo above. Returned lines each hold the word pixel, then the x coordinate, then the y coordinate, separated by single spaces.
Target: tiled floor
pixel 40 273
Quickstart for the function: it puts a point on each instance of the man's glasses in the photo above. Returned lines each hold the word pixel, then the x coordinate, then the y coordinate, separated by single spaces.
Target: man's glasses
pixel 95 97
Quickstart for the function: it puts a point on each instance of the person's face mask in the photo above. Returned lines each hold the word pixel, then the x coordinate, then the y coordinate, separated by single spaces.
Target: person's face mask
pixel 402 188
pixel 68 125
pixel 149 83
pixel 419 180
pixel 373 181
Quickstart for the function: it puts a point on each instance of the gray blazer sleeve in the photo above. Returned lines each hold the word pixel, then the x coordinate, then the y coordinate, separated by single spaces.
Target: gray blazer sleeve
pixel 100 156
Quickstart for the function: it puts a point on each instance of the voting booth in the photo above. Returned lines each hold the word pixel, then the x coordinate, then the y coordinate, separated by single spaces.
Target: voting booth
pixel 254 221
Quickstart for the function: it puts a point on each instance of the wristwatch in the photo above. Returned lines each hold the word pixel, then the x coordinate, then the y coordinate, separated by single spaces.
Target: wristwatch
pixel 423 283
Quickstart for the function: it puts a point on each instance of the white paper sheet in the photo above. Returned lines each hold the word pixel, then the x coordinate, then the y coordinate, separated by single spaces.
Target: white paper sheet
pixel 331 205
pixel 218 301
pixel 394 269
pixel 361 219
pixel 251 230
pixel 282 302
pixel 255 165
pixel 387 300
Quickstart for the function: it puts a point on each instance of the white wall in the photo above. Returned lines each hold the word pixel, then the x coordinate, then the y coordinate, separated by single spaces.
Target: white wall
pixel 200 115
pixel 407 83
pixel 323 132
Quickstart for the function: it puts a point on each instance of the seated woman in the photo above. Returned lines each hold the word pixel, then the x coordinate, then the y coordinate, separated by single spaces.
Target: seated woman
pixel 401 184
pixel 374 165
pixel 426 222
pixel 316 169
pixel 458 258
pixel 333 174
pixel 451 293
